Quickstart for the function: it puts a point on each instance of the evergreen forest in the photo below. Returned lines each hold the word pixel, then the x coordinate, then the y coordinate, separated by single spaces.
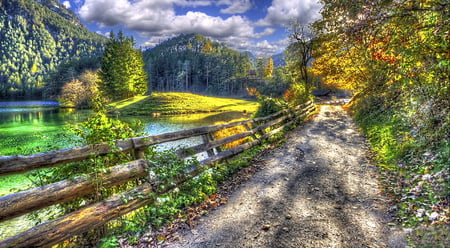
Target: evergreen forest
pixel 36 39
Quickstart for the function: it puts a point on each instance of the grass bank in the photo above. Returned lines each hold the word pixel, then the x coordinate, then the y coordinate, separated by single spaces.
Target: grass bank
pixel 414 175
pixel 180 103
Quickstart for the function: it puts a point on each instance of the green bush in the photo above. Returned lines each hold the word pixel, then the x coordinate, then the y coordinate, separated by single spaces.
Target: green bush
pixel 268 106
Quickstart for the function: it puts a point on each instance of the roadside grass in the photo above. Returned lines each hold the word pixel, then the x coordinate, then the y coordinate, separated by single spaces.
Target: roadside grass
pixel 180 103
pixel 415 178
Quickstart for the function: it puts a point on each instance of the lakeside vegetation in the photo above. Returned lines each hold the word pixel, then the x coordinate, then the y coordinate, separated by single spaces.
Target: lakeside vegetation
pixel 180 103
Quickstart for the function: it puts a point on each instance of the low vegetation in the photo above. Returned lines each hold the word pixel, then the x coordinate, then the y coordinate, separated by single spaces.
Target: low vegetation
pixel 180 103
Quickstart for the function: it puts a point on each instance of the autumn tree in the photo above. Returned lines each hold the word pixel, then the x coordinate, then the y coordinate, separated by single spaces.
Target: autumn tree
pixel 268 72
pixel 80 92
pixel 122 73
pixel 394 56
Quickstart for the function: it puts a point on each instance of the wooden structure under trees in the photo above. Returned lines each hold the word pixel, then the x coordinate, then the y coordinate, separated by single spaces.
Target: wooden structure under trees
pixel 99 213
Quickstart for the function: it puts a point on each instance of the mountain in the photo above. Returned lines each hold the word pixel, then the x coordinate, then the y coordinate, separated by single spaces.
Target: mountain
pixel 278 60
pixel 196 64
pixel 36 37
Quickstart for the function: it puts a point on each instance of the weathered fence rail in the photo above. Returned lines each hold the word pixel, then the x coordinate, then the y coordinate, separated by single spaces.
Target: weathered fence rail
pixel 97 214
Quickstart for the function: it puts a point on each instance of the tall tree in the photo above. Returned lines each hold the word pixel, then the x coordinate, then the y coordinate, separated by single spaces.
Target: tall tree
pixel 268 72
pixel 122 73
pixel 299 53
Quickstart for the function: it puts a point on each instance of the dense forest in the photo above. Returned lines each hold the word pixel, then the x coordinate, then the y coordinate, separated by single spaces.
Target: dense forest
pixel 36 38
pixel 194 63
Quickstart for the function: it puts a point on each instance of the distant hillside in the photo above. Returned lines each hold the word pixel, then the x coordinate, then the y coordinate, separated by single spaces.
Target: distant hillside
pixel 192 63
pixel 35 38
pixel 278 59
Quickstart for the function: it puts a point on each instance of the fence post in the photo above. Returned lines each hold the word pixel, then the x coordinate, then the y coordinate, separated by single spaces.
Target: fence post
pixel 207 138
pixel 139 153
pixel 248 128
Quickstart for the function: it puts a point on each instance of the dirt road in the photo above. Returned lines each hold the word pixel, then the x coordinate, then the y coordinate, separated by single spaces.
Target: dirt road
pixel 316 190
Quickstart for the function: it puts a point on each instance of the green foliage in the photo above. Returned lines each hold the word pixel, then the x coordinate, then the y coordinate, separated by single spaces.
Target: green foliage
pixel 35 38
pixel 268 106
pixel 297 94
pixel 109 242
pixel 122 70
pixel 195 64
pixel 98 128
pixel 101 128
pixel 394 55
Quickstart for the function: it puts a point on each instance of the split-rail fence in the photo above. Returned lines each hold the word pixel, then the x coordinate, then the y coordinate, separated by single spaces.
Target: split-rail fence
pixel 99 213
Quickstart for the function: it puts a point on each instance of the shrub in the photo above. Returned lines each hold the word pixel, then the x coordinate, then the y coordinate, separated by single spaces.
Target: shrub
pixel 297 94
pixel 268 106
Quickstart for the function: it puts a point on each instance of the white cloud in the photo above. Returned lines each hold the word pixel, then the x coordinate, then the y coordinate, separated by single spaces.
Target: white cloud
pixel 156 40
pixel 67 4
pixel 282 12
pixel 266 32
pixel 158 20
pixel 198 22
pixel 156 17
pixel 235 6
pixel 264 47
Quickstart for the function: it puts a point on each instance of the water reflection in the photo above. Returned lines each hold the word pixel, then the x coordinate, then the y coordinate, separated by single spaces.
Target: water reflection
pixel 24 127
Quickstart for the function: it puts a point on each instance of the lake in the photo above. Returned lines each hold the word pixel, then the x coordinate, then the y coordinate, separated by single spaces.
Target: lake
pixel 37 126
pixel 33 126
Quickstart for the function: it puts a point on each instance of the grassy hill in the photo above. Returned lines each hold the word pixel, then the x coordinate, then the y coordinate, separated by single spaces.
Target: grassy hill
pixel 181 103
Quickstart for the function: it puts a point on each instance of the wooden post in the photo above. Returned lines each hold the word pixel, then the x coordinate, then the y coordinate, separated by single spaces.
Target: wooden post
pixel 247 126
pixel 206 139
pixel 139 153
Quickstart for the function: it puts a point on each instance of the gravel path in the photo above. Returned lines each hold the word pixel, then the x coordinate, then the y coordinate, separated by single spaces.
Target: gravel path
pixel 316 190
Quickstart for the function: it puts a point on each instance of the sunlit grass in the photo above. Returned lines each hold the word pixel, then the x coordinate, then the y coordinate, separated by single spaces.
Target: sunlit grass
pixel 181 103
pixel 12 183
pixel 126 102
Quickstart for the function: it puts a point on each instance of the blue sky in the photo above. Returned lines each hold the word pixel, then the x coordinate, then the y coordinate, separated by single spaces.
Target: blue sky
pixel 258 26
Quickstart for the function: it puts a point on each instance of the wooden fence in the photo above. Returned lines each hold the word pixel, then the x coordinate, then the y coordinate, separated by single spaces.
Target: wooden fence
pixel 97 214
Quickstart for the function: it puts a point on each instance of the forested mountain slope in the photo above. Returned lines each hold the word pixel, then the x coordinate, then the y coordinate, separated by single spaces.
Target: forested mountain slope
pixel 196 64
pixel 35 38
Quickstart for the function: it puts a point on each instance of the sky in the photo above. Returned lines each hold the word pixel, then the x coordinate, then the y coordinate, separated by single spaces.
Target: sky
pixel 258 26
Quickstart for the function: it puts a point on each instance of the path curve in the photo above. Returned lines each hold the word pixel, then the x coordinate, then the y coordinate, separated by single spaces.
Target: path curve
pixel 316 190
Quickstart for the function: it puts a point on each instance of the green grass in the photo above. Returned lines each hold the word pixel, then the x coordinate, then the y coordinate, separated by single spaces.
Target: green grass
pixel 181 103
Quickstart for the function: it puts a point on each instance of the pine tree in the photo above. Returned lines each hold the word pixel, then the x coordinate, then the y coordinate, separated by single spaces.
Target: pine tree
pixel 122 73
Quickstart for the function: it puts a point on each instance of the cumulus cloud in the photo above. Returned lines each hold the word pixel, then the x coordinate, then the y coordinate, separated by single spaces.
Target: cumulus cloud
pixel 266 32
pixel 159 20
pixel 282 12
pixel 156 17
pixel 235 6
pixel 265 47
